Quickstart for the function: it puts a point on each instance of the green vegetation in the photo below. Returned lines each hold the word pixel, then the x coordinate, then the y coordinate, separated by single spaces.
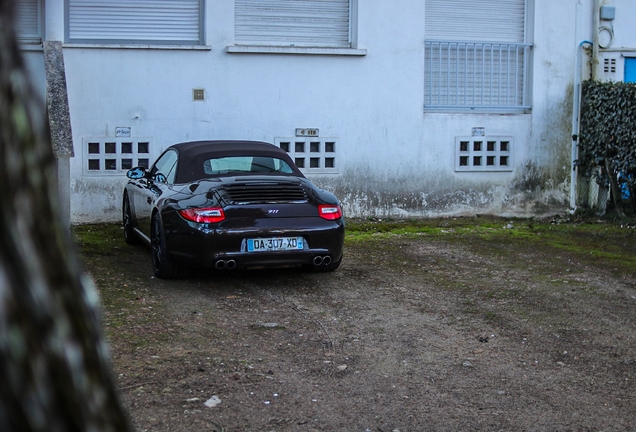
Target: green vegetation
pixel 606 145
pixel 97 240
pixel 610 243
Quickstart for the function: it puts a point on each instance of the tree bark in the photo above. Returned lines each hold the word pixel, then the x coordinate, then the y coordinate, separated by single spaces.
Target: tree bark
pixel 617 197
pixel 54 363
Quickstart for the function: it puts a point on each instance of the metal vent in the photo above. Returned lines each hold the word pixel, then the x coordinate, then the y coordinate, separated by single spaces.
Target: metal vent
pixel 262 192
pixel 198 94
pixel 609 65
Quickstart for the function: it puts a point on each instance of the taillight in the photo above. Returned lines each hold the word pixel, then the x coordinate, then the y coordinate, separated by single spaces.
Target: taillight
pixel 204 215
pixel 329 212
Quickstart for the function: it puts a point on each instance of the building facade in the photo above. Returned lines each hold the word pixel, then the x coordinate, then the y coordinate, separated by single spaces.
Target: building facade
pixel 401 108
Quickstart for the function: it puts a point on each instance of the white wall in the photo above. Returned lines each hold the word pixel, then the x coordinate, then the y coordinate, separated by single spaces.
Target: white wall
pixel 623 42
pixel 393 158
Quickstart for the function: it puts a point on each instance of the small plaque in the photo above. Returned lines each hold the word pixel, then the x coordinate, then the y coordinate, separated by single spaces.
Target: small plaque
pixel 479 131
pixel 123 132
pixel 306 132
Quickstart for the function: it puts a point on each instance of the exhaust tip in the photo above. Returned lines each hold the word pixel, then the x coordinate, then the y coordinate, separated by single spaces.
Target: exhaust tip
pixel 326 260
pixel 220 264
pixel 317 260
pixel 230 264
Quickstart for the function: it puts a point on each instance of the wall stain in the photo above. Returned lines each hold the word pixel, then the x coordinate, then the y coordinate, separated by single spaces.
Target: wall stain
pixel 94 196
pixel 529 194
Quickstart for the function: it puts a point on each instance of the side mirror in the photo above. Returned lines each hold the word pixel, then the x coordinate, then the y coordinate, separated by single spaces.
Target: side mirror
pixel 136 173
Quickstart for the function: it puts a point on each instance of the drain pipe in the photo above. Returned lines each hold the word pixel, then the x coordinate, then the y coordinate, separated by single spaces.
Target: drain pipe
pixel 576 106
pixel 595 46
pixel 578 88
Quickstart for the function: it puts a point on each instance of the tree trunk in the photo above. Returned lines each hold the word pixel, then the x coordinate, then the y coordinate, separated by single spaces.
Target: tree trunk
pixel 617 197
pixel 54 367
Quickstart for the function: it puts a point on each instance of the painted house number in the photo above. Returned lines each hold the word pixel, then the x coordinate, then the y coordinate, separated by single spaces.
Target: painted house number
pixel 306 132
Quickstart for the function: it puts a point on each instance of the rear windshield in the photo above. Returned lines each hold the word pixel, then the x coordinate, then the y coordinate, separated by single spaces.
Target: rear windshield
pixel 246 164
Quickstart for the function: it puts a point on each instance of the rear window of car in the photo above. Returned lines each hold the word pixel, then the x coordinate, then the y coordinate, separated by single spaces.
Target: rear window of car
pixel 246 164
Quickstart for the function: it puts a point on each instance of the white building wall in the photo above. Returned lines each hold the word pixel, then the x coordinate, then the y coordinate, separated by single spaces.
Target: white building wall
pixel 393 158
pixel 619 38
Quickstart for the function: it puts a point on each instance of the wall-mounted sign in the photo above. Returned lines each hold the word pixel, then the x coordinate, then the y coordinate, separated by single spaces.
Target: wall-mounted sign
pixel 301 132
pixel 123 132
pixel 479 131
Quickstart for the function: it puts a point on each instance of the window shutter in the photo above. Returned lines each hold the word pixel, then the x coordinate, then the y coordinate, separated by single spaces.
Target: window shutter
pixel 476 55
pixel 135 21
pixel 29 19
pixel 476 20
pixel 322 23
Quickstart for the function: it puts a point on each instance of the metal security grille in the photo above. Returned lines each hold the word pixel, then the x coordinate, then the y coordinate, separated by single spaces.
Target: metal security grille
pixel 302 23
pixel 135 21
pixel 475 75
pixel 265 192
pixel 476 55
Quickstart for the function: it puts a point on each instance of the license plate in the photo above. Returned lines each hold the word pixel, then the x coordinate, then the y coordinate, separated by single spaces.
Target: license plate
pixel 274 244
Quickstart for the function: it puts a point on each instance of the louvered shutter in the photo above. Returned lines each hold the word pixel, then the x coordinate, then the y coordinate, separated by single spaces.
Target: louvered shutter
pixel 476 54
pixel 476 20
pixel 29 21
pixel 315 23
pixel 135 21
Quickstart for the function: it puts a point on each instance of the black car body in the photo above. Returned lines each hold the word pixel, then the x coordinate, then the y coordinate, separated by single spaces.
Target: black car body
pixel 231 205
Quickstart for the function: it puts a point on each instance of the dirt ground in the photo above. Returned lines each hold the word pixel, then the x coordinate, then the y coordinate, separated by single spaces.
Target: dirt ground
pixel 443 325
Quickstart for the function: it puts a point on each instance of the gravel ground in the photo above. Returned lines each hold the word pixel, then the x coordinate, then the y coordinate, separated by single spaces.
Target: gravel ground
pixel 450 325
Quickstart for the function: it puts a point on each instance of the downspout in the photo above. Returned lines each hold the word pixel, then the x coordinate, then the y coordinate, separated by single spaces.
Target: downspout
pixel 597 23
pixel 576 94
pixel 576 106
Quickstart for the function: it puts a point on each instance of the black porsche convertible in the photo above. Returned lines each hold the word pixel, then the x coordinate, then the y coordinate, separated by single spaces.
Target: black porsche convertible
pixel 230 205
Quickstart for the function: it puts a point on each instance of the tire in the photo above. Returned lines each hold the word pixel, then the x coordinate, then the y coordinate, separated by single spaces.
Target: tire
pixel 129 232
pixel 162 265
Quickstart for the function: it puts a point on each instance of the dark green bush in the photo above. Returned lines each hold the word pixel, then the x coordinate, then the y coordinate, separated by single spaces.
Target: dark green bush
pixel 607 141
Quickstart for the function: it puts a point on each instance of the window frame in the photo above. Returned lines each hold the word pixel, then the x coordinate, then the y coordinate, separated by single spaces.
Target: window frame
pixel 167 161
pixel 498 81
pixel 629 68
pixel 70 38
pixel 31 38
pixel 287 47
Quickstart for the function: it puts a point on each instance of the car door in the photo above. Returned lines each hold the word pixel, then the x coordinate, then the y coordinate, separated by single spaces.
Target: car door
pixel 160 177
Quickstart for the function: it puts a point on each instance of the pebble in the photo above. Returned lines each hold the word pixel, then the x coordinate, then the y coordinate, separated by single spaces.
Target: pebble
pixel 212 402
pixel 270 325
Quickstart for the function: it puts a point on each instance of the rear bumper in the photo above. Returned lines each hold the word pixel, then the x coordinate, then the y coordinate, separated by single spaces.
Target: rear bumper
pixel 271 259
pixel 223 245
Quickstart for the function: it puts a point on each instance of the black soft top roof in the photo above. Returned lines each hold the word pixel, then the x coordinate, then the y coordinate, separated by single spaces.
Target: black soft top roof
pixel 193 154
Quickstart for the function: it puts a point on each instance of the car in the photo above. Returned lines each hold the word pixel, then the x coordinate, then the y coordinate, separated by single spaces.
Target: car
pixel 230 205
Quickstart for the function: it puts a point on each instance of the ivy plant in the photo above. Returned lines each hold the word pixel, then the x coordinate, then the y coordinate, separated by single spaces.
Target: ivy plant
pixel 607 141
